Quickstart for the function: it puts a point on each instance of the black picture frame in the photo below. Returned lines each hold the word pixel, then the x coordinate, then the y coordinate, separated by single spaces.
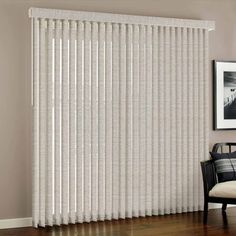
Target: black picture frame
pixel 224 95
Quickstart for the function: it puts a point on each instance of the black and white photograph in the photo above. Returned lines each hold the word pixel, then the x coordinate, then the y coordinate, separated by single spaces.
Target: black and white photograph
pixel 224 95
pixel 229 95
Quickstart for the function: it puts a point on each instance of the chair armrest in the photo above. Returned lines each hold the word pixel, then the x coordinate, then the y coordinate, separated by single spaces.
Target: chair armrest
pixel 208 175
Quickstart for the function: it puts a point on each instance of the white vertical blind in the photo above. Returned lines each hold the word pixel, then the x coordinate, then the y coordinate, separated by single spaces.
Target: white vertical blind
pixel 122 121
pixel 142 120
pixel 173 139
pixel 190 111
pixel 108 121
pixel 161 120
pixel 50 139
pixel 35 73
pixel 87 123
pixel 65 123
pixel 115 121
pixel 129 141
pixel 155 126
pixel 42 123
pixel 167 141
pixel 57 123
pixel 94 133
pixel 148 129
pixel 120 115
pixel 80 124
pixel 135 121
pixel 72 121
pixel 101 121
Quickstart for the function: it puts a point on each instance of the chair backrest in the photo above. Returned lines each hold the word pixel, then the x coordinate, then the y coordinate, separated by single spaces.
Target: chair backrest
pixel 208 168
pixel 223 147
pixel 208 176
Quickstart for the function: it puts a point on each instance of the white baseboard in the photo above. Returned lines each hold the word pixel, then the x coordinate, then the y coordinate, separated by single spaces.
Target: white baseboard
pixel 218 205
pixel 214 205
pixel 15 223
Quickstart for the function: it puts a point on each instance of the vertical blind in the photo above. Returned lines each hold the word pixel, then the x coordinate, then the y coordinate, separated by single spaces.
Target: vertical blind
pixel 120 109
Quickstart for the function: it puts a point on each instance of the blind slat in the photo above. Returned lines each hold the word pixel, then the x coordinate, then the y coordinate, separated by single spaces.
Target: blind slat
pixel 129 148
pixel 80 124
pixel 57 124
pixel 108 82
pixel 102 122
pixel 135 130
pixel 36 121
pixel 142 120
pixel 65 123
pixel 196 115
pixel 173 125
pixel 161 123
pixel 42 122
pixel 72 122
pixel 122 111
pixel 87 123
pixel 94 120
pixel 50 156
pixel 167 130
pixel 149 126
pixel 179 119
pixel 115 121
pixel 184 120
pixel 190 119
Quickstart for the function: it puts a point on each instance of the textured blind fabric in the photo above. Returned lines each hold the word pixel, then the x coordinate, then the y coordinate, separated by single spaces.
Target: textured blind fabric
pixel 120 116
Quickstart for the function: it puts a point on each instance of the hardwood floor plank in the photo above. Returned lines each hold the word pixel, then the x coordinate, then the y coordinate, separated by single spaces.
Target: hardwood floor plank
pixel 186 224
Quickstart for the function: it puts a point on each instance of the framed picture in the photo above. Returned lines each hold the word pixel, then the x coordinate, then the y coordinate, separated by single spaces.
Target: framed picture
pixel 224 95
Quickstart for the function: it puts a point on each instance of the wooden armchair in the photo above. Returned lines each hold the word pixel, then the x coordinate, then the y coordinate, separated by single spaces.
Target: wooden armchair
pixel 210 180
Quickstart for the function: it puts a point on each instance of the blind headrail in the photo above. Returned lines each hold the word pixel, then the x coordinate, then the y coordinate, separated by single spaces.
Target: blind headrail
pixel 119 18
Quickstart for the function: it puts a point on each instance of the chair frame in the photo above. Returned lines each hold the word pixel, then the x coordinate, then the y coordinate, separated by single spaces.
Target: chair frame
pixel 210 180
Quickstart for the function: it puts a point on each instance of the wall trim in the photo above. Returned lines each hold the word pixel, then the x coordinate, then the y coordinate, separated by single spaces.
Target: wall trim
pixel 218 205
pixel 15 223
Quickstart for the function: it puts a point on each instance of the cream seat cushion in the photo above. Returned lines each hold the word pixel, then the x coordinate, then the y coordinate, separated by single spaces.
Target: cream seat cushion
pixel 224 189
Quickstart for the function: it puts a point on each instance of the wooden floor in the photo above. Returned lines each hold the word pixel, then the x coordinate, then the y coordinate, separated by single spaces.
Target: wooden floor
pixel 186 224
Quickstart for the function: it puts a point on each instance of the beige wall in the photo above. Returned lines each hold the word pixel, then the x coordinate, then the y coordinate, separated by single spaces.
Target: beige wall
pixel 15 116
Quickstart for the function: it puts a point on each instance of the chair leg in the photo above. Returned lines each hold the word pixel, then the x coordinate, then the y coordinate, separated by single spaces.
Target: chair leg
pixel 205 212
pixel 225 220
pixel 224 206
